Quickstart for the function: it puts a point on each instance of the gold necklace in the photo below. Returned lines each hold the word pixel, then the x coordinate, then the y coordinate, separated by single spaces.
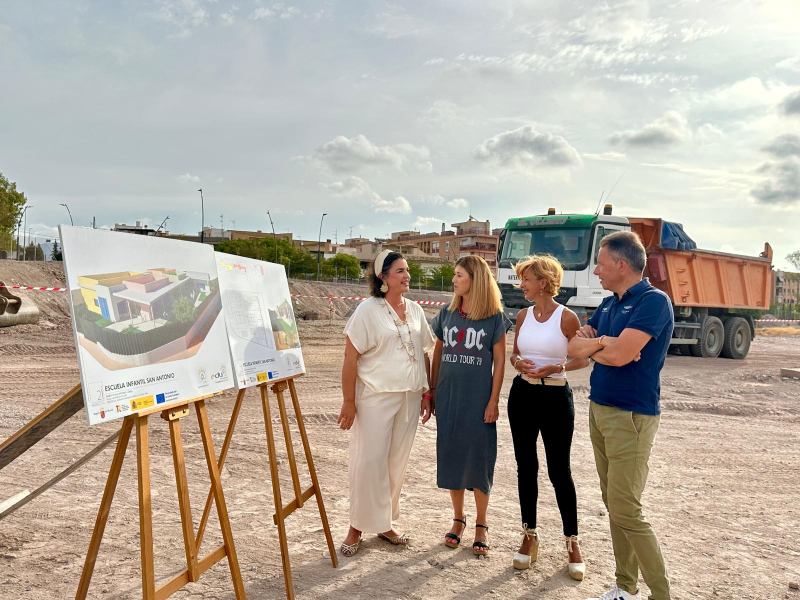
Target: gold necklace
pixel 409 345
pixel 541 312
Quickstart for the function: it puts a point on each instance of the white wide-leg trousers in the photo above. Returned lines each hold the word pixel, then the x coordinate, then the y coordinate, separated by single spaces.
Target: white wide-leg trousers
pixel 380 444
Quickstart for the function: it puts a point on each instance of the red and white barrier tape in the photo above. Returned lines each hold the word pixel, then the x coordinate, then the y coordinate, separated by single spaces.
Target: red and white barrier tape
pixel 777 321
pixel 360 299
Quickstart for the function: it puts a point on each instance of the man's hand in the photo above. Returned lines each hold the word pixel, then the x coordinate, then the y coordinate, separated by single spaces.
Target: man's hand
pixel 587 332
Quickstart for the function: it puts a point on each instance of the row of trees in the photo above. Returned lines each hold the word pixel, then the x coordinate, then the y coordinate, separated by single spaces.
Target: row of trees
pixel 299 263
pixel 12 202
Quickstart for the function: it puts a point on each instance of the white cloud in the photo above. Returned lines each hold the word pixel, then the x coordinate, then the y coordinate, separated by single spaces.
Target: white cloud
pixel 605 156
pixel 432 199
pixel 187 178
pixel 442 112
pixel 289 13
pixel 425 224
pixel 398 205
pixel 358 154
pixel 669 129
pixel 262 13
pixel 229 16
pixel 394 22
pixel 750 93
pixel 458 203
pixel 709 133
pixel 184 15
pixel 700 31
pixel 790 64
pixel 355 187
pixel 528 151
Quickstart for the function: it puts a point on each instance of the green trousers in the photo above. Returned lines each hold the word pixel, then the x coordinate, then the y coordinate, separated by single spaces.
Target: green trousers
pixel 622 441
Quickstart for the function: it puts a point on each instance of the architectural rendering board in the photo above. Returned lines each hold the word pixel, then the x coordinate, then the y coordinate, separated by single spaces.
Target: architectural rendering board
pixel 148 322
pixel 261 326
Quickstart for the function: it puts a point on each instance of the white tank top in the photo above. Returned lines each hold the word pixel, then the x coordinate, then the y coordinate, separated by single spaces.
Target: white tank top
pixel 543 343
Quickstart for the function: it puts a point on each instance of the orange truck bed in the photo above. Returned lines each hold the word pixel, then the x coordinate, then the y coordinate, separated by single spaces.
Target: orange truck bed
pixel 703 278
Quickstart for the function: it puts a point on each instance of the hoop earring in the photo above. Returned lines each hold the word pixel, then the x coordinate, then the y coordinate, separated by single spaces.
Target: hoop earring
pixel 384 288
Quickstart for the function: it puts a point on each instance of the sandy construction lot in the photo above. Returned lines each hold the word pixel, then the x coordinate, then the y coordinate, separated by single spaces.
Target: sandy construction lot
pixel 722 495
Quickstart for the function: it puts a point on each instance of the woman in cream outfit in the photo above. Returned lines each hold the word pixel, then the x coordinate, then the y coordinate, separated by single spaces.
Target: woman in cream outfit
pixel 385 382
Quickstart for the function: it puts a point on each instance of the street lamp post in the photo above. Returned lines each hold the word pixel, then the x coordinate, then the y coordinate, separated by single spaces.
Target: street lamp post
pixel 25 216
pixel 202 217
pixel 274 241
pixel 319 245
pixel 68 212
pixel 29 242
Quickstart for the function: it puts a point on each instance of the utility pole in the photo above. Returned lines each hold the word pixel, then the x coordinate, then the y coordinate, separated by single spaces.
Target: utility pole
pixel 351 231
pixel 222 224
pixel 234 223
pixel 319 245
pixel 202 218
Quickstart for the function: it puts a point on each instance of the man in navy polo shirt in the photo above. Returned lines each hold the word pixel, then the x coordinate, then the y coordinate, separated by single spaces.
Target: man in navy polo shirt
pixel 627 337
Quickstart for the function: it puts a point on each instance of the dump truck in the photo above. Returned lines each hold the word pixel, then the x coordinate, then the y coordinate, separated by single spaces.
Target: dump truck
pixel 714 294
pixel 14 310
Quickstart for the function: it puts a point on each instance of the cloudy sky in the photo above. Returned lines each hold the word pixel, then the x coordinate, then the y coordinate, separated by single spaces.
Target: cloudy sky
pixel 393 116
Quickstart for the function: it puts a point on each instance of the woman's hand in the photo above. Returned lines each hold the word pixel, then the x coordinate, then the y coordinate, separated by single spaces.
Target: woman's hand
pixel 525 366
pixel 347 415
pixel 545 371
pixel 428 407
pixel 492 412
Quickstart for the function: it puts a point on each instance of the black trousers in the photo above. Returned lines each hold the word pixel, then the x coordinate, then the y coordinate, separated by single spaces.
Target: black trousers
pixel 547 409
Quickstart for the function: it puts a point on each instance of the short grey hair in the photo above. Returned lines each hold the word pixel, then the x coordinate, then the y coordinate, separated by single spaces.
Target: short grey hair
pixel 626 245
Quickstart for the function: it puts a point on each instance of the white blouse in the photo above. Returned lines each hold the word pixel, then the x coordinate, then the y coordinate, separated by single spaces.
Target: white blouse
pixel 384 364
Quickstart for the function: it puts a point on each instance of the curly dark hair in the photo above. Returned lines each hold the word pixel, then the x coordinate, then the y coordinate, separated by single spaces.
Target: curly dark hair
pixel 372 278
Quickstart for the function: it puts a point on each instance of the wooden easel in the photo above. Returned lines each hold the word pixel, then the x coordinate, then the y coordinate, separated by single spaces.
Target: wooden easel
pixel 194 566
pixel 300 496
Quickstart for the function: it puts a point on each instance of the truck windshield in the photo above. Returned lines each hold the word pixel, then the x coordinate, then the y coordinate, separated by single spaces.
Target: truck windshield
pixel 569 246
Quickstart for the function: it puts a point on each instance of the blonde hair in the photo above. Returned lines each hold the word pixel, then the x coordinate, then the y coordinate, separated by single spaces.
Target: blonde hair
pixel 484 295
pixel 543 266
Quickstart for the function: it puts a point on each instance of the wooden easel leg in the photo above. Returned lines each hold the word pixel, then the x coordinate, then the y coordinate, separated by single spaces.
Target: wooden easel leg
pixel 314 481
pixel 223 454
pixel 277 389
pixel 105 507
pixel 276 491
pixel 219 499
pixel 145 513
pixel 187 525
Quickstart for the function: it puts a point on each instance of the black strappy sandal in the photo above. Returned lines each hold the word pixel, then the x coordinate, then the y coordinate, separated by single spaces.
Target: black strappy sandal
pixel 451 540
pixel 481 548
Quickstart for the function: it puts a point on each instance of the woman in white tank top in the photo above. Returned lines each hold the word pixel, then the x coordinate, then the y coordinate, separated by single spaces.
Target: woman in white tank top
pixel 540 400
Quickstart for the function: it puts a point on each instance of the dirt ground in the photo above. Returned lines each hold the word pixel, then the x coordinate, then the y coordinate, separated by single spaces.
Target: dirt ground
pixel 722 495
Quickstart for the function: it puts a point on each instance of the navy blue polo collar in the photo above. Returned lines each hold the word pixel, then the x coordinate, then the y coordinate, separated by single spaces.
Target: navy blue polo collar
pixel 635 290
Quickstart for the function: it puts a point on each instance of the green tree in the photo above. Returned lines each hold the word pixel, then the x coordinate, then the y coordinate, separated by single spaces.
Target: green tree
pixel 56 253
pixel 417 273
pixel 794 258
pixel 295 260
pixel 441 277
pixel 12 202
pixel 183 309
pixel 344 265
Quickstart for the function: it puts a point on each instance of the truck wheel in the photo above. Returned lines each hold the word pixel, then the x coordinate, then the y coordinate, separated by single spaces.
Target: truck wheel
pixel 736 343
pixel 711 338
